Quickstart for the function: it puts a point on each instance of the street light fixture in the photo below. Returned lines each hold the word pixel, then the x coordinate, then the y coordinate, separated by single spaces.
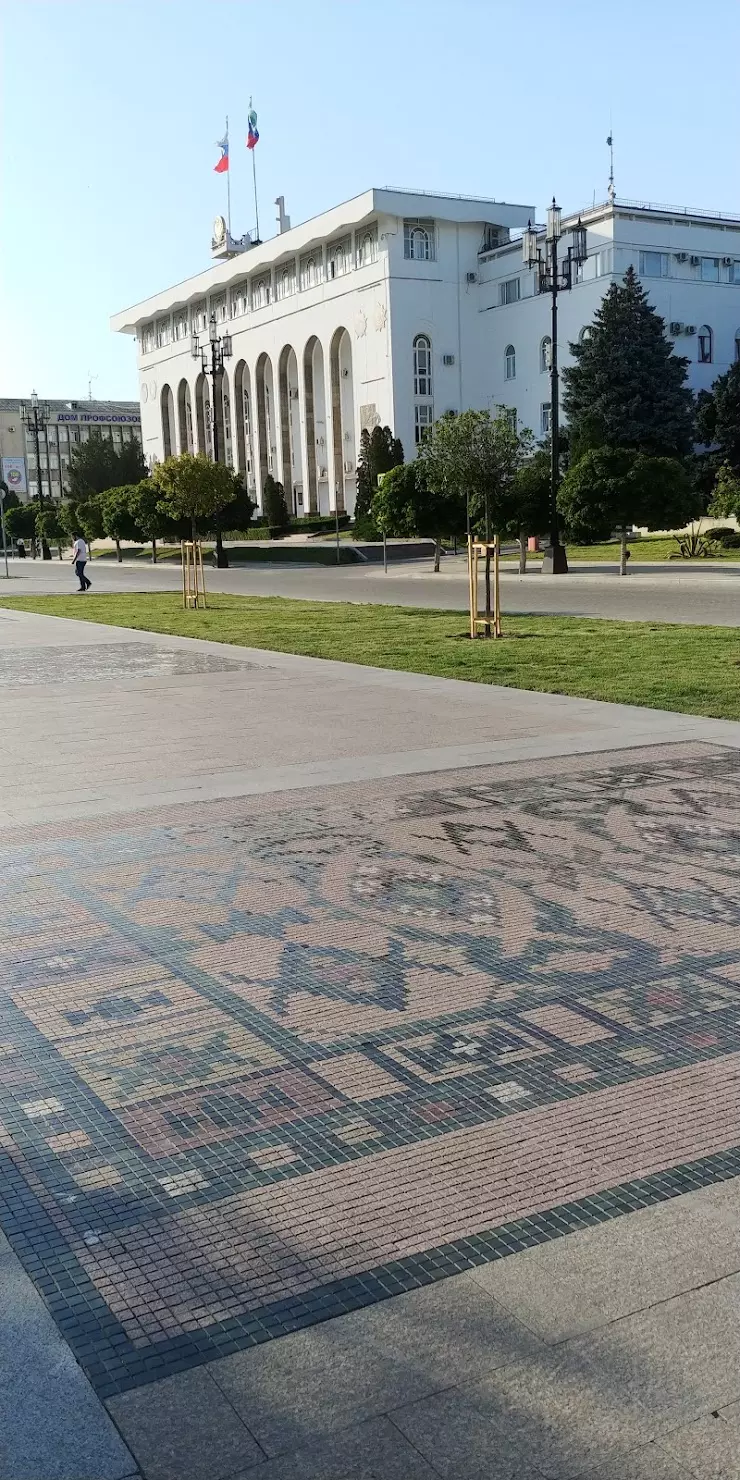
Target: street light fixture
pixel 554 277
pixel 35 416
pixel 220 350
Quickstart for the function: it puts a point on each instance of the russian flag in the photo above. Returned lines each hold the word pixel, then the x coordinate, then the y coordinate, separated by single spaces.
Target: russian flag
pixel 254 133
pixel 223 164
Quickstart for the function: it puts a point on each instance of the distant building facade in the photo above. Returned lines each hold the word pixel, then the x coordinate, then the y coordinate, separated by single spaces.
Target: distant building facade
pixel 69 422
pixel 394 308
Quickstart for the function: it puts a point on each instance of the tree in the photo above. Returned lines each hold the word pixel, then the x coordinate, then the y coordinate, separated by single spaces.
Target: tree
pixel 379 452
pixel 274 506
pixel 238 514
pixel 118 512
pixel 152 520
pixel 192 488
pixel 530 501
pixel 100 464
pixel 83 516
pixel 612 488
pixel 627 388
pixel 50 525
pixel 20 521
pixel 726 499
pixel 718 417
pixel 473 457
pixel 404 506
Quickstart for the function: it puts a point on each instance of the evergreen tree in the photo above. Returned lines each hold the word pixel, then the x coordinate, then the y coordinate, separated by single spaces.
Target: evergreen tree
pixel 379 452
pixel 627 388
pixel 718 418
pixel 100 463
pixel 274 506
pixel 612 488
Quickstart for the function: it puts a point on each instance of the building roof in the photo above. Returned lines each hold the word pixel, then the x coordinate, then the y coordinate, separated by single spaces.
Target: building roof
pixel 390 201
pixel 95 408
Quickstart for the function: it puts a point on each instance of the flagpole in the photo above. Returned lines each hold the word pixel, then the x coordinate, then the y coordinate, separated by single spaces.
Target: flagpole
pixel 256 207
pixel 228 181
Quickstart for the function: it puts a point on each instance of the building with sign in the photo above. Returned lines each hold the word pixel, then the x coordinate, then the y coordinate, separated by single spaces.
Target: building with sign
pixel 69 422
pixel 396 307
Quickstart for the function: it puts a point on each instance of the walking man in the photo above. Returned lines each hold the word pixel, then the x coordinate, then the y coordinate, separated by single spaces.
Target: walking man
pixel 80 554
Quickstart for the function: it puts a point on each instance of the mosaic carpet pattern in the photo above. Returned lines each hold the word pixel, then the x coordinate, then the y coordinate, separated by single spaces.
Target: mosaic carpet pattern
pixel 269 1060
pixel 105 661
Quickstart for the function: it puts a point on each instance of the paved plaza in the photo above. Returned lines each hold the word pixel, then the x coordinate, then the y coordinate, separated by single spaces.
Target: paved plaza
pixel 369 1073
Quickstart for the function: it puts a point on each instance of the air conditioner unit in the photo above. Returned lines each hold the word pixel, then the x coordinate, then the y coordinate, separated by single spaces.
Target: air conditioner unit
pixel 694 261
pixel 448 359
pixel 471 277
pixel 348 466
pixel 690 329
pixel 727 261
pixel 681 256
pixel 294 393
pixel 676 328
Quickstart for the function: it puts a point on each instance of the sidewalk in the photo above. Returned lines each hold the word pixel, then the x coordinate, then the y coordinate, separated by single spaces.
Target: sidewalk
pixel 370 1080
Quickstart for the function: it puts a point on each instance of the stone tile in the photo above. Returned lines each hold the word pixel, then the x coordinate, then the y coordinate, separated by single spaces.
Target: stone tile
pixel 184 1429
pixel 362 1364
pixel 650 1462
pixel 52 1426
pixel 570 1408
pixel 709 1448
pixel 582 1282
pixel 367 1451
pixel 455 1433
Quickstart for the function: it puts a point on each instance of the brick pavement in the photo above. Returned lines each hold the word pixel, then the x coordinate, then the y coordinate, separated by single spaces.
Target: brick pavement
pixel 269 1060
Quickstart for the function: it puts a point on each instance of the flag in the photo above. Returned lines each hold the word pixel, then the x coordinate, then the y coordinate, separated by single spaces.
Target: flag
pixel 254 133
pixel 609 141
pixel 223 164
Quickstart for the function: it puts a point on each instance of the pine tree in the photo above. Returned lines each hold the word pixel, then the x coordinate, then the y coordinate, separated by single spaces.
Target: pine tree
pixel 379 452
pixel 627 388
pixel 718 417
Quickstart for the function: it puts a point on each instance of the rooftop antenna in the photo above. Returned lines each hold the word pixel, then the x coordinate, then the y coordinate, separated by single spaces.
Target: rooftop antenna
pixel 612 194
pixel 90 379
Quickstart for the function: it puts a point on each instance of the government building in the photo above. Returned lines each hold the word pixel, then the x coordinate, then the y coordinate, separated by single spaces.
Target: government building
pixel 62 424
pixel 394 308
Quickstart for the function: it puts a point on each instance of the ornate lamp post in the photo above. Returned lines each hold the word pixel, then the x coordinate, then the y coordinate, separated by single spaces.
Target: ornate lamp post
pixel 220 350
pixel 554 277
pixel 35 415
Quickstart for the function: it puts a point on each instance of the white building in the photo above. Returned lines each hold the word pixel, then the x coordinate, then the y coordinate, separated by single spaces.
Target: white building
pixel 396 307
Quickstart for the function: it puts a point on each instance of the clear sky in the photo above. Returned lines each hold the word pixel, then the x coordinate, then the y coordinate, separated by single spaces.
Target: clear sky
pixel 111 110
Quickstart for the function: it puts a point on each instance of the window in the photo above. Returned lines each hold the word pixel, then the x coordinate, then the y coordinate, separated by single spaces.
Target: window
pixel 653 264
pixel 147 339
pixel 418 241
pixel 423 419
pixel 737 346
pixel 63 434
pixel 509 415
pixel 733 275
pixel 604 262
pixel 545 354
pixel 261 292
pixel 709 271
pixel 545 419
pixel 339 257
pixel 705 345
pixel 200 317
pixel 491 238
pixel 218 306
pixel 181 324
pixel 510 291
pixel 164 332
pixel 238 301
pixel 423 366
pixel 510 362
pixel 367 248
pixel 285 281
pixel 311 273
pixel 584 334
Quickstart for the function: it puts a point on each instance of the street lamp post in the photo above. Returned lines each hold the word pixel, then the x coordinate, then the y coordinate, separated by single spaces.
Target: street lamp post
pixel 35 415
pixel 554 277
pixel 220 350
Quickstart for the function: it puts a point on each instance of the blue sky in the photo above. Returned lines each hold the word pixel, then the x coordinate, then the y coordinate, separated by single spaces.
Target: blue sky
pixel 111 110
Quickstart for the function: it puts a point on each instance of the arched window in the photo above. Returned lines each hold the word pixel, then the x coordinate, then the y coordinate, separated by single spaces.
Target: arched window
pixel 737 345
pixel 510 361
pixel 228 451
pixel 420 242
pixel 367 249
pixel 705 345
pixel 423 366
pixel 584 334
pixel 545 353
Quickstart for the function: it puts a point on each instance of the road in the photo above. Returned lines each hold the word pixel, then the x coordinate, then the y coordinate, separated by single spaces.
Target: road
pixel 665 593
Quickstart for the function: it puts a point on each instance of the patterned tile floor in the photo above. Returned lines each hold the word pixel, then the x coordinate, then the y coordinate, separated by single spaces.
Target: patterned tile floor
pixel 102 660
pixel 265 1061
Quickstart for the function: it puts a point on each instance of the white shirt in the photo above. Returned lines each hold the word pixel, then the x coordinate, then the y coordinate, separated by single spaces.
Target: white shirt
pixel 80 550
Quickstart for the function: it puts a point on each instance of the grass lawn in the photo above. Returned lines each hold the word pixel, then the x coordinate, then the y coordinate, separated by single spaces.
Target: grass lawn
pixel 647 549
pixel 692 669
